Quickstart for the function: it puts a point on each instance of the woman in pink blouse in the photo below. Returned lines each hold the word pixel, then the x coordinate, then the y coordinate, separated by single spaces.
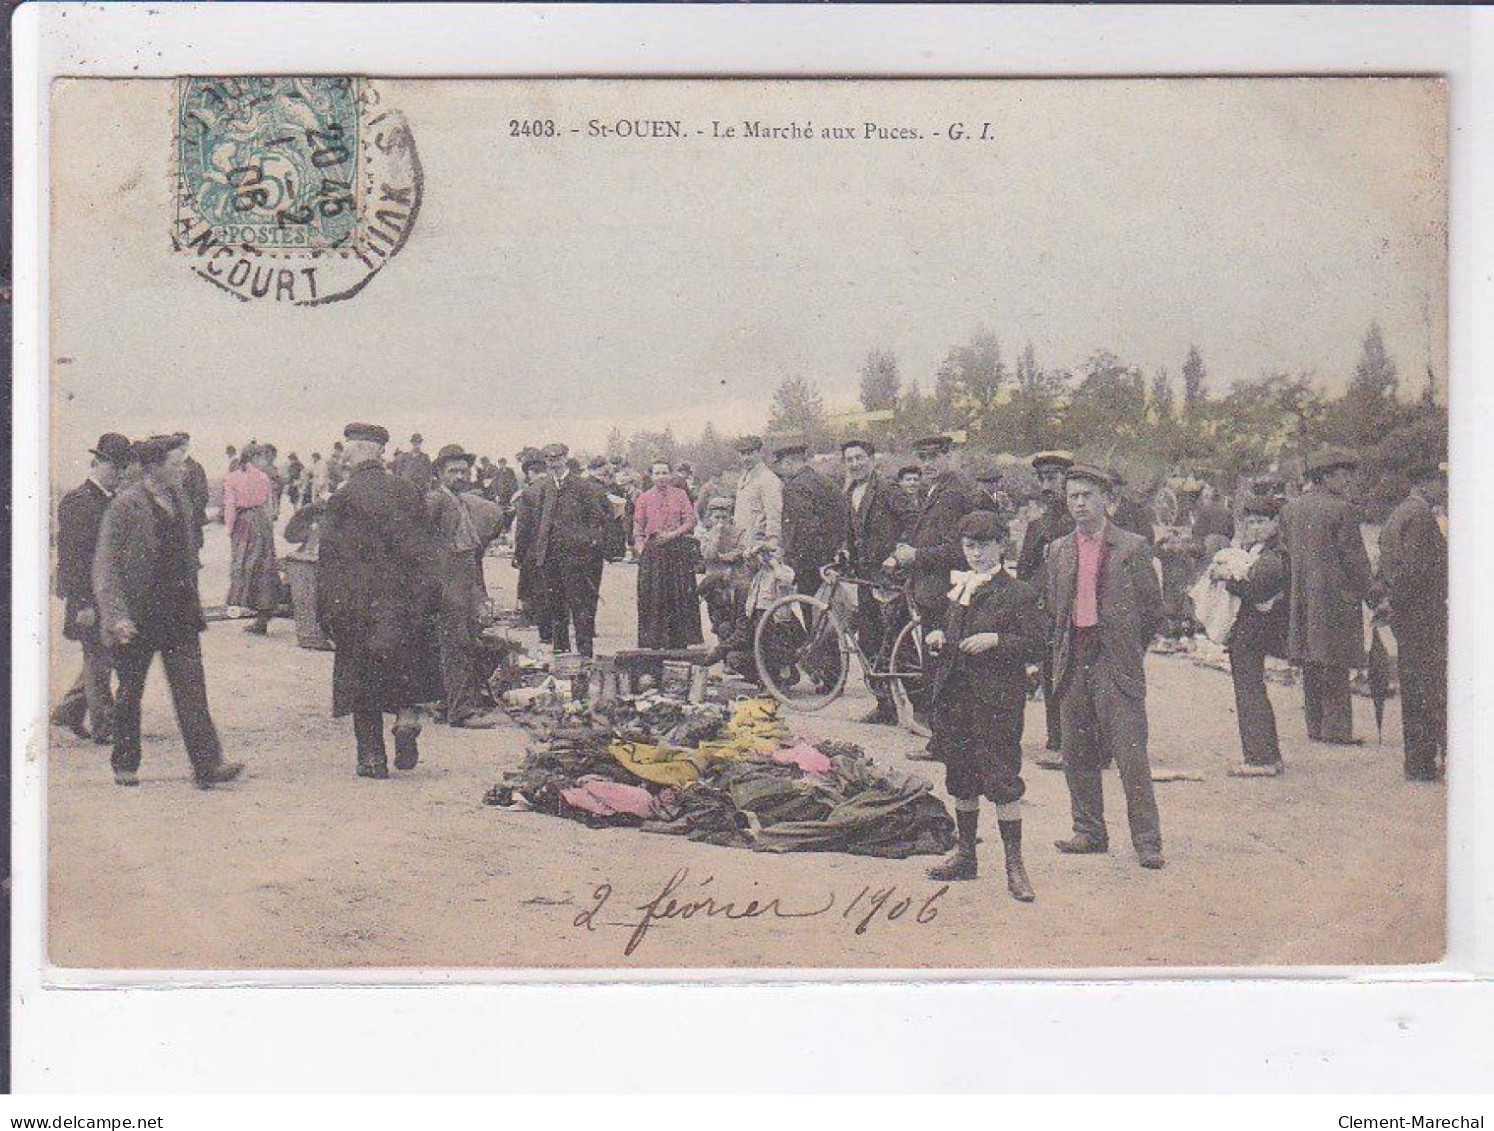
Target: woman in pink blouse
pixel 663 520
pixel 248 499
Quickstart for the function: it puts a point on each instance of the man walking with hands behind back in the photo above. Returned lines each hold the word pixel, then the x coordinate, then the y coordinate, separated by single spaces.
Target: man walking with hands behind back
pixel 1105 601
pixel 145 578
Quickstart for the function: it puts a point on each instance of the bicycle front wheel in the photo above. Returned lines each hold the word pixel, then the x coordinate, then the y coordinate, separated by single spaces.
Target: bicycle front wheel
pixel 803 655
pixel 906 667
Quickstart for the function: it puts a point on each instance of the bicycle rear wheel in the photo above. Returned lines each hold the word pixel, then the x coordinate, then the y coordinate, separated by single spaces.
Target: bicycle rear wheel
pixel 803 655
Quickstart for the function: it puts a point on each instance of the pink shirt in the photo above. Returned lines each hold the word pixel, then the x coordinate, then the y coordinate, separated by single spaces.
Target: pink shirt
pixel 1087 589
pixel 662 509
pixel 244 489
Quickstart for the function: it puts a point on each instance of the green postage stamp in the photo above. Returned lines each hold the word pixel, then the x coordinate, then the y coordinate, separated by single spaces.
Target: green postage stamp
pixel 292 189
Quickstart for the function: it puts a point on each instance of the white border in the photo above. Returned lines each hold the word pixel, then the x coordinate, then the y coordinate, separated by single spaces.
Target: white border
pixel 1362 1029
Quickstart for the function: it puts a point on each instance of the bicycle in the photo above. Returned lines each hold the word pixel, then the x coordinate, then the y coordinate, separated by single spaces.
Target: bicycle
pixel 803 647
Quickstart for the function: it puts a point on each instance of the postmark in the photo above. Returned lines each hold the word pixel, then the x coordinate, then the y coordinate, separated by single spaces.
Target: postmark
pixel 294 190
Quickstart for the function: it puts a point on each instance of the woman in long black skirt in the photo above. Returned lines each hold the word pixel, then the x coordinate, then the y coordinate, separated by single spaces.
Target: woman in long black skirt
pixel 668 608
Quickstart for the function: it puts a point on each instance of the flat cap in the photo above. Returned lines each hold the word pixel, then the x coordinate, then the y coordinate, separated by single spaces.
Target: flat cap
pixel 417 438
pixel 451 453
pixel 181 438
pixel 114 448
pixel 1089 473
pixel 1059 459
pixel 936 443
pixel 791 448
pixel 1330 459
pixel 719 503
pixel 748 444
pixel 373 433
pixel 984 526
pixel 552 451
pixel 154 449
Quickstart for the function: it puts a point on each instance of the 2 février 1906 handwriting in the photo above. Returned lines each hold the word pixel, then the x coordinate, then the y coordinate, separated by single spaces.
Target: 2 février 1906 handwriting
pixel 862 911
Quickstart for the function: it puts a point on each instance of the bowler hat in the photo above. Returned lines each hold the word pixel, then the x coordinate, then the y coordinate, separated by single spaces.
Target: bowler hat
pixel 417 438
pixel 551 451
pixel 114 448
pixel 1059 459
pixel 373 433
pixel 452 452
pixel 984 526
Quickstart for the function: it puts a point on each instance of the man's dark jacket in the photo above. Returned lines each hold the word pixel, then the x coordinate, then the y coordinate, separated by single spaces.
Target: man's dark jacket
pixel 935 534
pixel 814 523
pixel 79 517
pixel 876 526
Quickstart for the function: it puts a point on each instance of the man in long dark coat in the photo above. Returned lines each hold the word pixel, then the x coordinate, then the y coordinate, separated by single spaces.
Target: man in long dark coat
pixel 931 548
pixel 376 580
pixel 1042 532
pixel 1413 566
pixel 415 466
pixel 145 580
pixel 194 486
pixel 814 516
pixel 79 517
pixel 1331 579
pixel 573 520
pixel 877 514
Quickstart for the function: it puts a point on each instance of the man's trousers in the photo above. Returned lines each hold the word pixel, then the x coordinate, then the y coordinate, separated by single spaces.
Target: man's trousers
pixel 188 683
pixel 571 581
pixel 1421 644
pixel 1101 723
pixel 460 600
pixel 90 693
pixel 1247 668
pixel 1327 703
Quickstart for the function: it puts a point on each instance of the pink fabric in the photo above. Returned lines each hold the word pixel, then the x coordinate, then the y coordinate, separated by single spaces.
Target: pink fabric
pixel 244 488
pixel 803 755
pixel 662 509
pixel 607 798
pixel 1087 592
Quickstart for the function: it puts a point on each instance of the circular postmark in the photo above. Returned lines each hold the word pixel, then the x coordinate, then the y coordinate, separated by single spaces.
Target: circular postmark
pixel 291 190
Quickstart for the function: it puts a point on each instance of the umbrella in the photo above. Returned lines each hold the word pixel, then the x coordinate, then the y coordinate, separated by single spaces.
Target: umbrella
pixel 1379 678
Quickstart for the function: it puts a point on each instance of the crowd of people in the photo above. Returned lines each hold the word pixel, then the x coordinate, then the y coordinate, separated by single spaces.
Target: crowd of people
pixel 1070 588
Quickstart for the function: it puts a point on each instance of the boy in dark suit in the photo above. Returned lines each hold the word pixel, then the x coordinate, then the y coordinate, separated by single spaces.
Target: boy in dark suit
pixel 1260 630
pixel 978 688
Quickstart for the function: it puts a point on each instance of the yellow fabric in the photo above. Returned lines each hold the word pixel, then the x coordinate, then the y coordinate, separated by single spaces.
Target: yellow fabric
pixel 754 730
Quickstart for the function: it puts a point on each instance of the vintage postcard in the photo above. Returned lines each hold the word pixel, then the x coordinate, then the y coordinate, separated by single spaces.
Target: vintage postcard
pixel 923 525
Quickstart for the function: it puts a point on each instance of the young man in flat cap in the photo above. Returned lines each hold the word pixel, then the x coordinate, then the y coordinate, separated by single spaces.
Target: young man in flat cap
pixel 978 691
pixel 758 509
pixel 1331 579
pixel 462 526
pixel 145 580
pixel 878 514
pixel 1042 532
pixel 568 541
pixel 80 514
pixel 376 580
pixel 534 601
pixel 1260 630
pixel 1413 565
pixel 1105 604
pixel 931 546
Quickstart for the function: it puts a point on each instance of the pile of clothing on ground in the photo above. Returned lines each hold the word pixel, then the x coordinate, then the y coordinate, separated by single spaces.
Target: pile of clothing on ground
pixel 723 773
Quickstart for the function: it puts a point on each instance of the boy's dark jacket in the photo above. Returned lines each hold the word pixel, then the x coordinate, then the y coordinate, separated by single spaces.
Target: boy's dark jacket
pixel 970 690
pixel 1254 630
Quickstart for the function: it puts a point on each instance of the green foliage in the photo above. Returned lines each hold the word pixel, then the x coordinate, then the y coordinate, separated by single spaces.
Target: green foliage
pixel 798 410
pixel 880 381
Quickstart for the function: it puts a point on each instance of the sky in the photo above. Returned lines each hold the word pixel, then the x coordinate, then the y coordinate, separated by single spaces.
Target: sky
pixel 554 288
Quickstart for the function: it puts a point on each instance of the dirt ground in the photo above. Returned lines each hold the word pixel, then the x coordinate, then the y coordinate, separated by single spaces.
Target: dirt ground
pixel 301 864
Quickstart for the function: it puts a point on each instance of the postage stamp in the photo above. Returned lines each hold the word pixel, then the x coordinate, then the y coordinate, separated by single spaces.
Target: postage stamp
pixel 292 189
